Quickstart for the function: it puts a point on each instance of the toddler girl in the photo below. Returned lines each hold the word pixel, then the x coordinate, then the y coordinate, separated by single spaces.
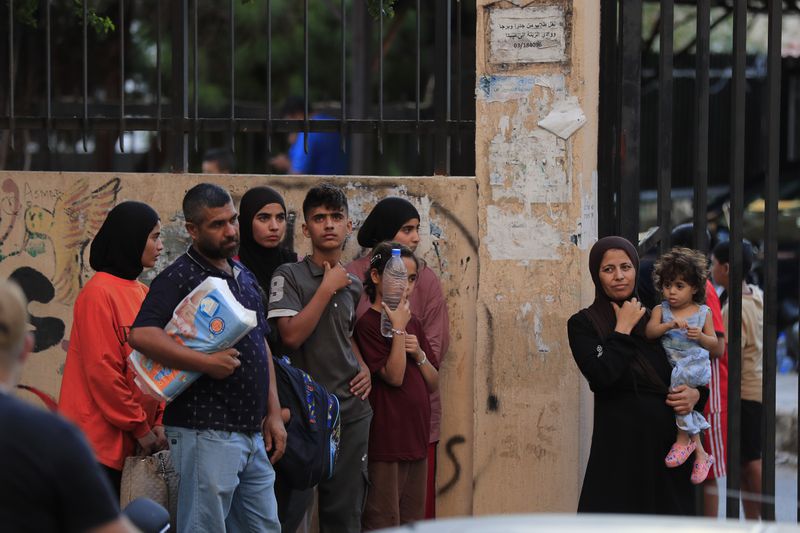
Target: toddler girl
pixel 686 330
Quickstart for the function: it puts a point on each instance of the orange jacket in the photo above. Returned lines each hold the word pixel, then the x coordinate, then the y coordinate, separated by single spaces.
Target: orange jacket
pixel 97 391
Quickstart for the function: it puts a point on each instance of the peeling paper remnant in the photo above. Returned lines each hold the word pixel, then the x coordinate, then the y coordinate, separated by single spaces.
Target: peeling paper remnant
pixel 520 237
pixel 504 88
pixel 565 118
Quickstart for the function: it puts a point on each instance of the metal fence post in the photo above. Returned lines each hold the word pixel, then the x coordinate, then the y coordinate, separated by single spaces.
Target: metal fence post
pixel 179 160
pixel 441 95
pixel 630 118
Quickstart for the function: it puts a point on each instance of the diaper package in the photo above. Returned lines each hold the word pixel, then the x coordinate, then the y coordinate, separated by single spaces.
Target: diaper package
pixel 208 320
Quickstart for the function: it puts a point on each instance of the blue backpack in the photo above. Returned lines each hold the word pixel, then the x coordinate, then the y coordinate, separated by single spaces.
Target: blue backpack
pixel 314 429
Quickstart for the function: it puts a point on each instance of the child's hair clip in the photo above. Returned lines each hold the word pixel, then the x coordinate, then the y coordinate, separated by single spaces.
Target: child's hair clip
pixel 374 259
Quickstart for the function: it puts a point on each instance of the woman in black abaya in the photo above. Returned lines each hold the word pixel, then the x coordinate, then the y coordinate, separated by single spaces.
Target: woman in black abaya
pixel 634 410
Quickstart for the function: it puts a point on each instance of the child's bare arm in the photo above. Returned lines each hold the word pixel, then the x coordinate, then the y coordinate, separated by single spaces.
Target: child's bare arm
pixel 655 329
pixel 394 370
pixel 709 340
pixel 429 372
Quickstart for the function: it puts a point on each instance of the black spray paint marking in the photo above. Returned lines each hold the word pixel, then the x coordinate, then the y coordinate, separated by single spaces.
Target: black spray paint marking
pixel 37 288
pixel 448 449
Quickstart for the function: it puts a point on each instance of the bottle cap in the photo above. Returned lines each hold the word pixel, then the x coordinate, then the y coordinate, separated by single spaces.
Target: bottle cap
pixel 395 252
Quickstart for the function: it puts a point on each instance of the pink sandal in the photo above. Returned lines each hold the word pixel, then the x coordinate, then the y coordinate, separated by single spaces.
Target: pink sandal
pixel 700 470
pixel 679 453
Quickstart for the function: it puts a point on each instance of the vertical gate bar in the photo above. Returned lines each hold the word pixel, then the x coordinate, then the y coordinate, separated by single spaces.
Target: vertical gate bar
pixel 49 75
pixel 458 75
pixel 158 77
pixel 608 112
pixel 11 70
pixel 305 76
pixel 195 78
pixel 630 126
pixel 343 101
pixel 417 91
pixel 380 81
pixel 771 257
pixel 85 122
pixel 232 60
pixel 268 129
pixel 180 82
pixel 441 96
pixel 702 67
pixel 665 93
pixel 736 273
pixel 121 76
pixel 616 176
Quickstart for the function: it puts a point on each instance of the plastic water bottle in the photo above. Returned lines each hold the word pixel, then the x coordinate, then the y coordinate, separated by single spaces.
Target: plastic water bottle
pixel 393 286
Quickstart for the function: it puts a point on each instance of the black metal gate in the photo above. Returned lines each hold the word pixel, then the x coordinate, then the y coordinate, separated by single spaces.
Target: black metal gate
pixel 621 176
pixel 441 124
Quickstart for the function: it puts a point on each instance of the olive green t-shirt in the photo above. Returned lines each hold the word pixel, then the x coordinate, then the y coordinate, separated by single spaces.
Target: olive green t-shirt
pixel 327 354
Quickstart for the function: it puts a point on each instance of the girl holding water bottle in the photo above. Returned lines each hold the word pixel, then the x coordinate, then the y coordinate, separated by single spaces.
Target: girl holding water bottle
pixel 403 374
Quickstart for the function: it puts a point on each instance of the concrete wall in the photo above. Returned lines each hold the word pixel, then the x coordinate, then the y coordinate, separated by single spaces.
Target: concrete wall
pixel 48 219
pixel 537 71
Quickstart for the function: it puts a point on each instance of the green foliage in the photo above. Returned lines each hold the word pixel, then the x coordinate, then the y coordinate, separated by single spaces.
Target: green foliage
pixel 101 25
pixel 375 7
pixel 27 11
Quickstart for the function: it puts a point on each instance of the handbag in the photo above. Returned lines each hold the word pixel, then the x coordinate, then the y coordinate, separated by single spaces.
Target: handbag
pixel 151 476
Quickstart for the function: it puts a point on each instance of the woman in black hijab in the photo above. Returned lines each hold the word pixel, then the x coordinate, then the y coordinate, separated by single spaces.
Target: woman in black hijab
pixel 262 213
pixel 97 391
pixel 634 422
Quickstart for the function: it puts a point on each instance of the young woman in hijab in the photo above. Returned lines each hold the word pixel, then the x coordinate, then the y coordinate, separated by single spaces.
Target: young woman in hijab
pixel 396 219
pixel 634 410
pixel 262 213
pixel 97 391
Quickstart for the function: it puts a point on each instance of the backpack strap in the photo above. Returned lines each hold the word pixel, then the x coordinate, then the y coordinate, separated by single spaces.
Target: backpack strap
pixel 48 400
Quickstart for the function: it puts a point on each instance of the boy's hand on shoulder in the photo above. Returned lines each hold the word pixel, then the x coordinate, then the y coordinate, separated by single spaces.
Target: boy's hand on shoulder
pixel 335 277
pixel 361 385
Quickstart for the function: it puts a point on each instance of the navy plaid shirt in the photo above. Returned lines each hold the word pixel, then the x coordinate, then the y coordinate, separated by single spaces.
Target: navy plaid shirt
pixel 238 402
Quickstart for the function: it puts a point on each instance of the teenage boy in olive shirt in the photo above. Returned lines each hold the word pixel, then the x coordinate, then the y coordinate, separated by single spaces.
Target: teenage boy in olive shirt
pixel 313 304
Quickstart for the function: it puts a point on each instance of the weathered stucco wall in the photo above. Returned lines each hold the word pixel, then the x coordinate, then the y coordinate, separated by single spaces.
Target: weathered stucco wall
pixel 48 219
pixel 536 150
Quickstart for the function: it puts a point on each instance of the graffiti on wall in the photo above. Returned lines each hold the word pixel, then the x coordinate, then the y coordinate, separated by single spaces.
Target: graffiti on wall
pixel 44 232
pixel 58 223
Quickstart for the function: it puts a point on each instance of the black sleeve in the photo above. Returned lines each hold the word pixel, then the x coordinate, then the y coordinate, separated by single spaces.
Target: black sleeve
pixel 159 304
pixel 602 363
pixel 84 494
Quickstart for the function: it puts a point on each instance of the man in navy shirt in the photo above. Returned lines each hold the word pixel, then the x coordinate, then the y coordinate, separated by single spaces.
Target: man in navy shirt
pixel 214 428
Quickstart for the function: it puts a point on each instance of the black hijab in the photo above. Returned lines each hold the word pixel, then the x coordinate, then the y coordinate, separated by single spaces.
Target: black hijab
pixel 260 260
pixel 601 313
pixel 117 248
pixel 385 220
pixel 602 316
